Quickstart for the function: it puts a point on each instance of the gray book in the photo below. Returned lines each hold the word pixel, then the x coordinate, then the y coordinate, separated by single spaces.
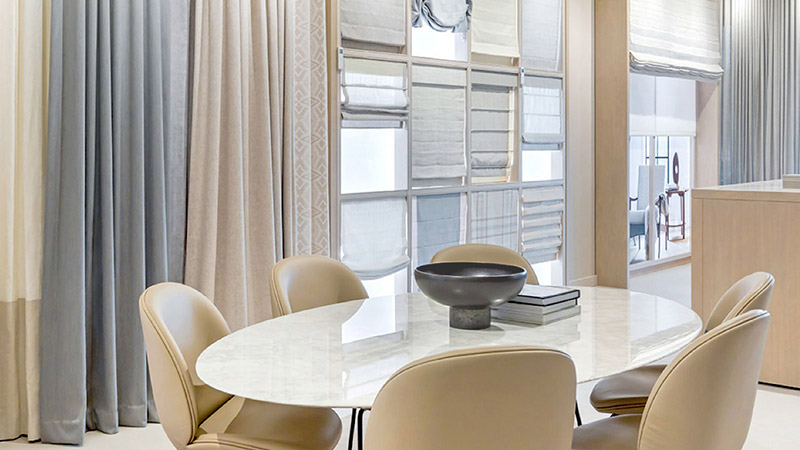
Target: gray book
pixel 536 319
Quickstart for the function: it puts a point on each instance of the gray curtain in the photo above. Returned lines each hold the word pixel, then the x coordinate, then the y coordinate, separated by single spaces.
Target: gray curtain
pixel 760 90
pixel 115 205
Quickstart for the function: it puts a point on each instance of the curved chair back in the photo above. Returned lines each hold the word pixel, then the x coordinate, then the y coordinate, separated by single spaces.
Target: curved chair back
pixel 179 323
pixel 492 397
pixel 704 398
pixel 308 281
pixel 485 253
pixel 751 292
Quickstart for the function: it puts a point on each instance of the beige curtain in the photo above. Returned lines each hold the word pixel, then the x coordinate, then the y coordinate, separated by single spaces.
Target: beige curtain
pixel 24 55
pixel 258 170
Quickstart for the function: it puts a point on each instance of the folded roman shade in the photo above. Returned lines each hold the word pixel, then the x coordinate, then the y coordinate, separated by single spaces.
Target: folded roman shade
pixel 374 90
pixel 679 38
pixel 494 218
pixel 541 34
pixel 494 28
pixel 542 210
pixel 661 106
pixel 442 15
pixel 374 238
pixel 492 125
pixel 438 110
pixel 543 112
pixel 374 21
pixel 440 224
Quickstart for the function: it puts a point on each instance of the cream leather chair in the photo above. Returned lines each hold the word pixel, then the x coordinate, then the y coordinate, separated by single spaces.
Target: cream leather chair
pixel 178 324
pixel 627 392
pixel 485 398
pixel 702 401
pixel 485 253
pixel 308 281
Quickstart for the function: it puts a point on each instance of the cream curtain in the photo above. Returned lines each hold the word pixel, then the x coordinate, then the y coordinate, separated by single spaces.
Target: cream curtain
pixel 24 57
pixel 258 170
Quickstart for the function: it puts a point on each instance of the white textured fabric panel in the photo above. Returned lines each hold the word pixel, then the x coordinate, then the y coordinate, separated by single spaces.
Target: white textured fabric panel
pixel 678 38
pixel 371 88
pixel 542 110
pixel 494 28
pixel 542 211
pixel 439 76
pixel 492 124
pixel 541 34
pixel 374 238
pixel 375 21
pixel 494 218
pixel 662 106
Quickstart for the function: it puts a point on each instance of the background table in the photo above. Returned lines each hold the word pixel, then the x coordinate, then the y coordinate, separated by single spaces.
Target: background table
pixel 341 355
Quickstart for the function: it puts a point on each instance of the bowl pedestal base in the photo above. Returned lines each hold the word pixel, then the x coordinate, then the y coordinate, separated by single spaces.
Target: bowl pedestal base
pixel 470 319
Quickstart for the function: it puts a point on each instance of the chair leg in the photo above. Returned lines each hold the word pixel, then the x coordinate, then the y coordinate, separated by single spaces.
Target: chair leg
pixel 360 429
pixel 352 429
pixel 578 414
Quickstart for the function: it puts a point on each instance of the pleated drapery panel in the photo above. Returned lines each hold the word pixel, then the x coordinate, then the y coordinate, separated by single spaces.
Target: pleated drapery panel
pixel 442 15
pixel 494 216
pixel 760 91
pixel 24 59
pixel 678 38
pixel 374 90
pixel 494 28
pixel 115 167
pixel 542 40
pixel 542 110
pixel 542 212
pixel 438 109
pixel 374 21
pixel 440 223
pixel 374 237
pixel 258 187
pixel 492 125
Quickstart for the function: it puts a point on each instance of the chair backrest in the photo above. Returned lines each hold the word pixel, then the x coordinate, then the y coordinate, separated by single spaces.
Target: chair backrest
pixel 704 398
pixel 308 281
pixel 751 292
pixel 491 397
pixel 643 187
pixel 179 323
pixel 485 253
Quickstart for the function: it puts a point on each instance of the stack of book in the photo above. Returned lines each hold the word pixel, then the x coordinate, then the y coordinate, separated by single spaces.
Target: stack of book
pixel 540 305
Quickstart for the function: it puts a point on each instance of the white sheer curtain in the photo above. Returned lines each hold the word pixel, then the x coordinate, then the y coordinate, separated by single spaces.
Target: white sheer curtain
pixel 541 34
pixel 494 216
pixel 24 58
pixel 374 240
pixel 542 110
pixel 374 90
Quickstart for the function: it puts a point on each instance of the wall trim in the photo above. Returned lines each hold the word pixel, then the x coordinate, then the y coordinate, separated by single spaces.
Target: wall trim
pixel 589 281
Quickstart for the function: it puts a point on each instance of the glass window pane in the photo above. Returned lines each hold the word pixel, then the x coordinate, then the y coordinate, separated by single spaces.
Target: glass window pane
pixel 549 273
pixel 495 218
pixel 374 159
pixel 542 165
pixel 429 43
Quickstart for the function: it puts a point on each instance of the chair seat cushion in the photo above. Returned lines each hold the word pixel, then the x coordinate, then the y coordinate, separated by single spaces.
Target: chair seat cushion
pixel 627 392
pixel 637 216
pixel 247 424
pixel 614 433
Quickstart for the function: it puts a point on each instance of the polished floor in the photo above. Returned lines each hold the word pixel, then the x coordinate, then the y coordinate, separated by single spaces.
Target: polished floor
pixel 774 426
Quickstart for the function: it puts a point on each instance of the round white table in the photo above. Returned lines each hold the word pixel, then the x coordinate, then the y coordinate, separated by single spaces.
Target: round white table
pixel 340 355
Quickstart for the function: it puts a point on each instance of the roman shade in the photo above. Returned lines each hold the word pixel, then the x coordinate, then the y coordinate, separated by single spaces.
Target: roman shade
pixel 438 122
pixel 440 224
pixel 543 110
pixel 541 34
pixel 494 28
pixel 661 106
pixel 374 21
pixel 374 238
pixel 374 90
pixel 442 15
pixel 492 123
pixel 494 218
pixel 679 38
pixel 542 210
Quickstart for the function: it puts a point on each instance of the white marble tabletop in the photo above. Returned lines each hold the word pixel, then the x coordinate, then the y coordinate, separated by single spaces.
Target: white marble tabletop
pixel 341 355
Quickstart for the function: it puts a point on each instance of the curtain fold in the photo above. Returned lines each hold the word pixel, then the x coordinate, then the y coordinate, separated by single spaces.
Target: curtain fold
pixel 258 170
pixel 24 59
pixel 113 212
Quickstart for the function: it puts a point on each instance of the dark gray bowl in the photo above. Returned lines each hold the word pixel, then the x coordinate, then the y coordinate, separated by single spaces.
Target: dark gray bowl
pixel 470 289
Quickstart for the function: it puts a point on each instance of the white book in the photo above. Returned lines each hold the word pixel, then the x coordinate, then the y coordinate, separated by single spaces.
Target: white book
pixel 534 294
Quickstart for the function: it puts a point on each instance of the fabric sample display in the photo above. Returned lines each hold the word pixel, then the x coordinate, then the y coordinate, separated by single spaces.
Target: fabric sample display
pixel 374 21
pixel 374 238
pixel 438 120
pixel 494 218
pixel 542 110
pixel 542 211
pixel 541 34
pixel 492 123
pixel 442 15
pixel 676 38
pixel 374 90
pixel 439 225
pixel 494 28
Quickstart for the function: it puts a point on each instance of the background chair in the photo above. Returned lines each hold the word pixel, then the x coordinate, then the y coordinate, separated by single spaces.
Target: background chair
pixel 703 400
pixel 627 392
pixel 637 217
pixel 308 281
pixel 484 398
pixel 485 253
pixel 178 324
